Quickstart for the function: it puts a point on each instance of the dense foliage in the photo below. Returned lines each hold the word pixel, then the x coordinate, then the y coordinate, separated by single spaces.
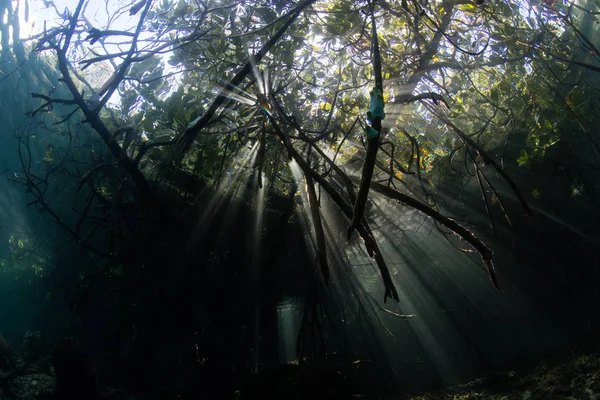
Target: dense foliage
pixel 461 81
pixel 171 105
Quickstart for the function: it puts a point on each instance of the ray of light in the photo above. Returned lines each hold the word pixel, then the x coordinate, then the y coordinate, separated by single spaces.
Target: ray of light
pixel 254 274
pixel 287 325
pixel 422 270
pixel 239 95
pixel 232 185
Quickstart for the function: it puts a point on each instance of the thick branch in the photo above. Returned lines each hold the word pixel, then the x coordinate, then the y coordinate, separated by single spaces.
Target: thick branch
pixel 346 208
pixel 92 117
pixel 372 142
pixel 409 98
pixel 188 137
pixel 96 34
pixel 482 248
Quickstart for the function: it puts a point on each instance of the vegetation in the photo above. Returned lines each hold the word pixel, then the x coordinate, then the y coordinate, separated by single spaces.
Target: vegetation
pixel 461 80
pixel 198 100
pixel 571 374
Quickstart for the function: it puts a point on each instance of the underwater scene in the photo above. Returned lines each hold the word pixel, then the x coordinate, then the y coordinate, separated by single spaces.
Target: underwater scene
pixel 308 199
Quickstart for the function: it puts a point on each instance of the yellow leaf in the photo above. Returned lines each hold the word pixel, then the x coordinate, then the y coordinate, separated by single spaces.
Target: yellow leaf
pixel 536 194
pixel 399 175
pixel 48 156
pixel 327 106
pixel 387 75
pixel 466 7
pixel 386 97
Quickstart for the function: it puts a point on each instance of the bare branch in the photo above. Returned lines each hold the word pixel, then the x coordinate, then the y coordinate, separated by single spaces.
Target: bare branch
pixel 482 248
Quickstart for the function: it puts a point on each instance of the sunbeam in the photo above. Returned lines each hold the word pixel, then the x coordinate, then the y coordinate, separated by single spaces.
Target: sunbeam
pixel 233 184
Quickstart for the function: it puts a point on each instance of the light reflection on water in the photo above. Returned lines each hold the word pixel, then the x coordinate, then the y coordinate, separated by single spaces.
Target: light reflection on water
pixel 288 321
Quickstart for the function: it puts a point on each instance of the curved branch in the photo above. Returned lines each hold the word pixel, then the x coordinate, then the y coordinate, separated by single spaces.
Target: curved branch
pixel 488 160
pixel 92 117
pixel 372 142
pixel 346 208
pixel 113 82
pixel 482 248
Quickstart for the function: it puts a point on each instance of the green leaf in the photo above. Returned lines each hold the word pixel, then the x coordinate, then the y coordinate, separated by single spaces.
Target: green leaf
pixel 494 95
pixel 523 159
pixel 505 9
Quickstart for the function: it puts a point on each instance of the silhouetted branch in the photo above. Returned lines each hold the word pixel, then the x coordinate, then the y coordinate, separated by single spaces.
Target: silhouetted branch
pixel 91 173
pixel 482 248
pixel 409 98
pixel 372 142
pixel 32 185
pixel 188 137
pixel 93 118
pixel 113 82
pixel 96 34
pixel 362 228
pixel 318 224
pixel 49 101
pixel 488 160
